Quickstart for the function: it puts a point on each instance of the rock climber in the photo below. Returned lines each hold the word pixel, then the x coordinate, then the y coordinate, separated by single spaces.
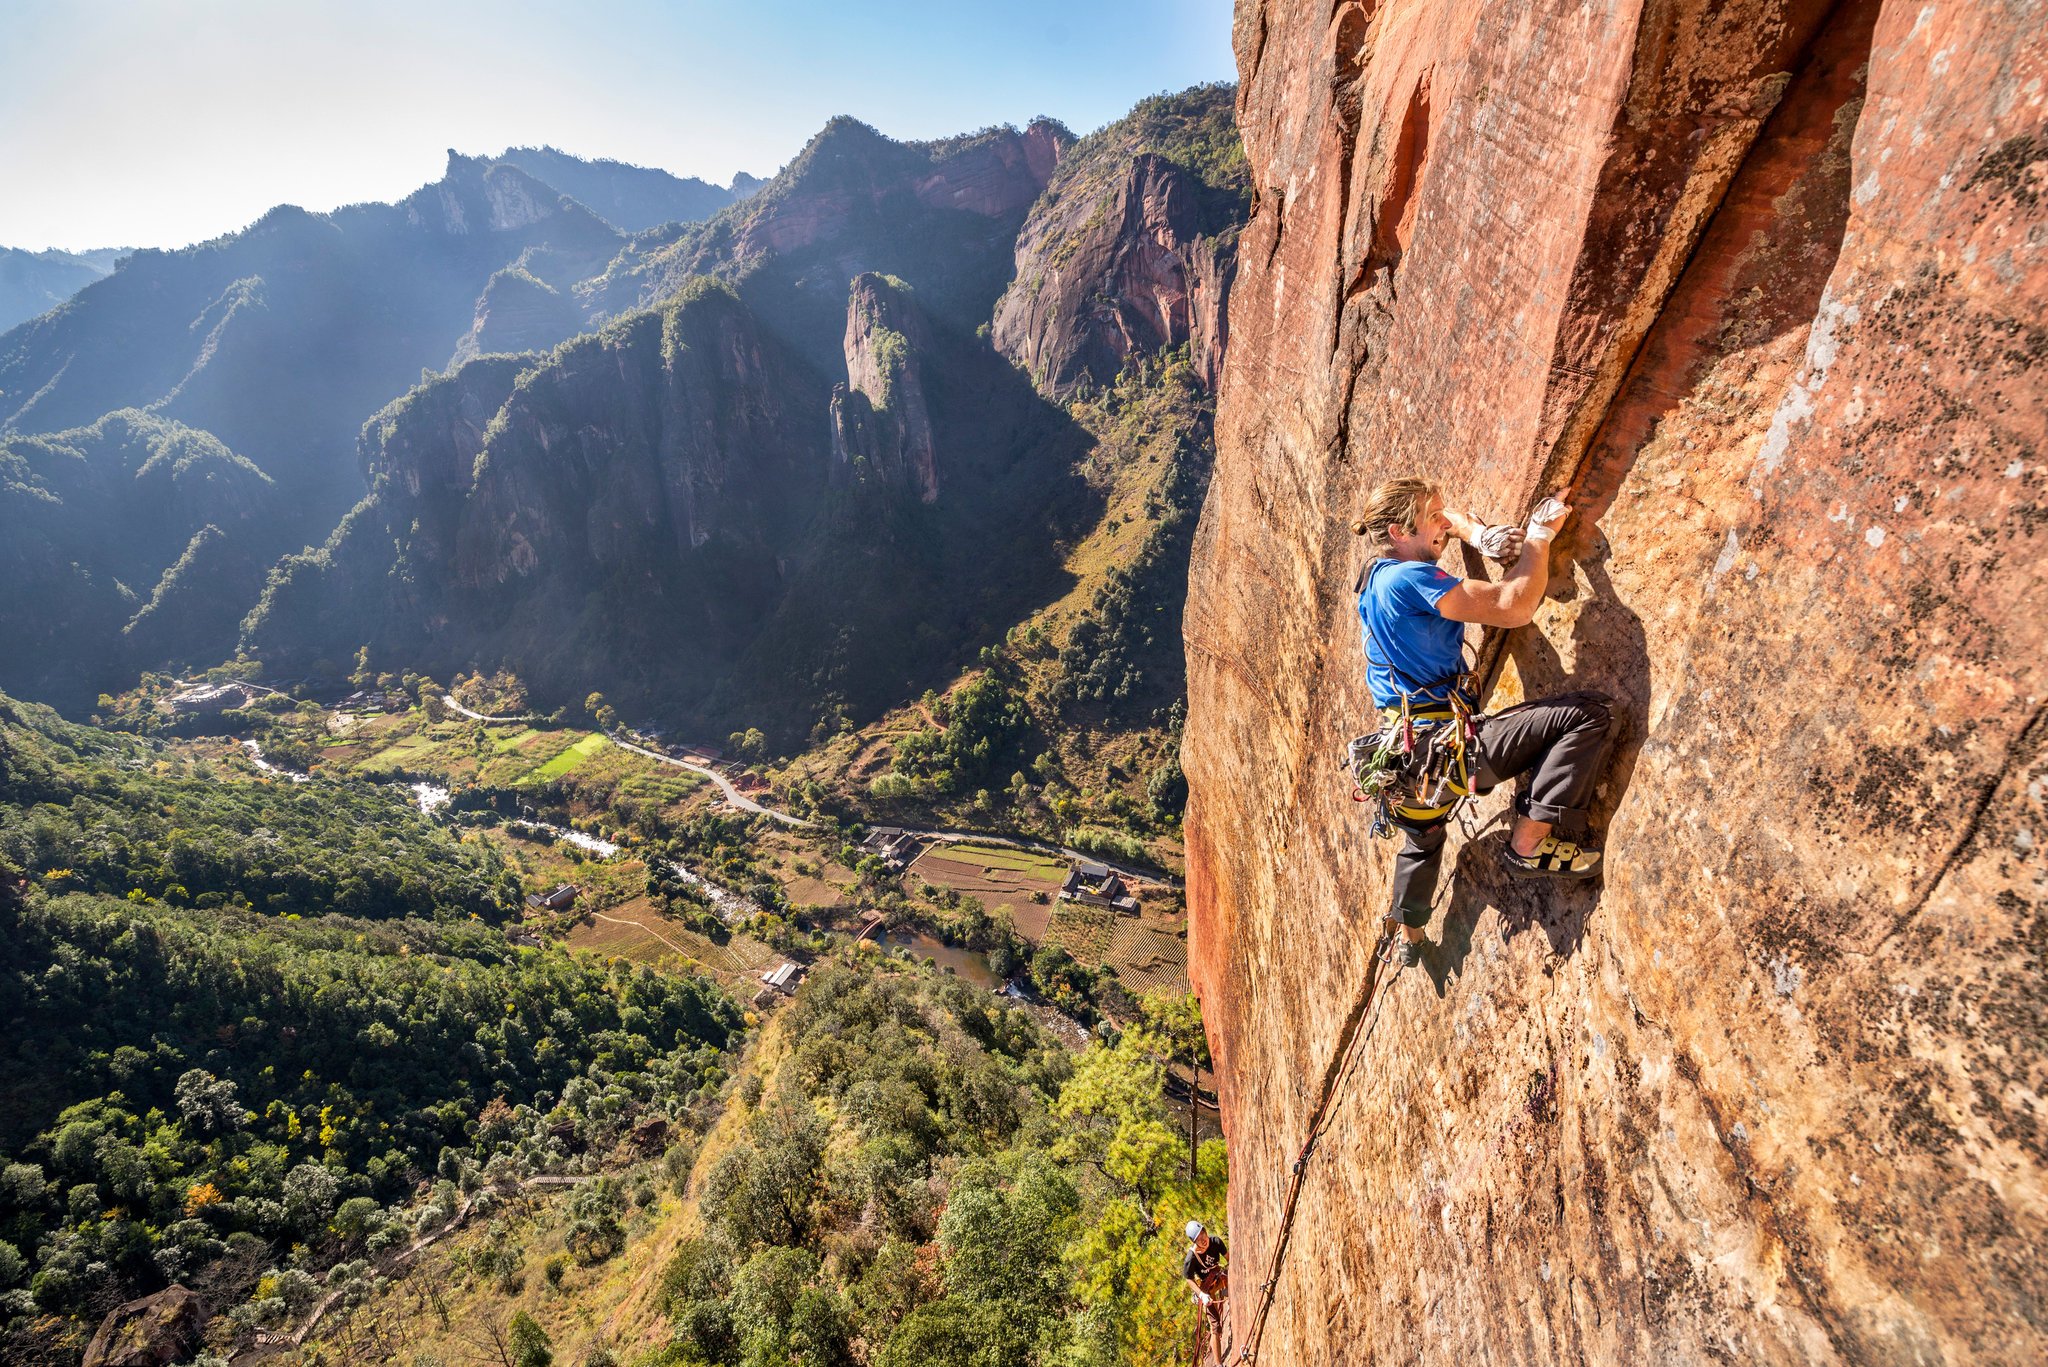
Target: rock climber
pixel 1204 1269
pixel 1413 615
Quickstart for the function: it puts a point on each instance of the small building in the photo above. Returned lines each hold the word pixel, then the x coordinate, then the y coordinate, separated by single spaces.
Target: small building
pixel 561 899
pixel 784 976
pixel 1095 885
pixel 897 848
pixel 373 700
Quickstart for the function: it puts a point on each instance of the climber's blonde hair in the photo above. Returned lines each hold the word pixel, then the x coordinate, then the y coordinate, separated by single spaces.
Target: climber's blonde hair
pixel 1394 503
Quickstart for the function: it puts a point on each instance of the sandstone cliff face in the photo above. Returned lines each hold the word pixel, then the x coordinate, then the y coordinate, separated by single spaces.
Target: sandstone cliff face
pixel 880 421
pixel 996 176
pixel 1102 278
pixel 518 312
pixel 1131 248
pixel 1763 282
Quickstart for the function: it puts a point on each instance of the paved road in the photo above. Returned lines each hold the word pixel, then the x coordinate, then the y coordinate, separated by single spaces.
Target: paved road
pixel 449 698
pixel 732 794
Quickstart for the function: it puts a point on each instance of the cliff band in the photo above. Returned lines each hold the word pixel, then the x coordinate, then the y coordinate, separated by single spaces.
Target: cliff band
pixel 1764 283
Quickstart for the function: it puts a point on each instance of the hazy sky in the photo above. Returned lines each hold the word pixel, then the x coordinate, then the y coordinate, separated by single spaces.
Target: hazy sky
pixel 163 122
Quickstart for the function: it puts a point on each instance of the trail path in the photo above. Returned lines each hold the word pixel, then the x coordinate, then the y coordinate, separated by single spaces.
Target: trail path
pixel 269 1339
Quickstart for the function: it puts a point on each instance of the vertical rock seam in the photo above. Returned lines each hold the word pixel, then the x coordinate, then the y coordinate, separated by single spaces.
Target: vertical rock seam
pixel 1764 282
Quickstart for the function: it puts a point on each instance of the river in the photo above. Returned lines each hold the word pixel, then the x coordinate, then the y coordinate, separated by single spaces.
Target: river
pixel 970 964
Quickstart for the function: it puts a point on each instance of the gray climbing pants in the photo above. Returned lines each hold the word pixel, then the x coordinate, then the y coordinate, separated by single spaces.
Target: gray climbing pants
pixel 1557 746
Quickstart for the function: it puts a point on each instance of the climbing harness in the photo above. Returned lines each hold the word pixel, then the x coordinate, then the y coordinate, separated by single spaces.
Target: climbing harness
pixel 1418 765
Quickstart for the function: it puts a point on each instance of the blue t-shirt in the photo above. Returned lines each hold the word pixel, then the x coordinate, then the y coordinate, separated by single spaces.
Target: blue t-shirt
pixel 1398 619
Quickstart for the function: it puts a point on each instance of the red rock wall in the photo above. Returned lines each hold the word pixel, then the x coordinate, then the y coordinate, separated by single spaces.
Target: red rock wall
pixel 1111 270
pixel 1763 281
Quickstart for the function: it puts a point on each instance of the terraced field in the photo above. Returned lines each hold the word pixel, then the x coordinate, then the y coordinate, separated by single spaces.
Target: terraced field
pixel 570 758
pixel 635 931
pixel 508 755
pixel 999 877
pixel 1146 955
pixel 1084 932
pixel 1028 862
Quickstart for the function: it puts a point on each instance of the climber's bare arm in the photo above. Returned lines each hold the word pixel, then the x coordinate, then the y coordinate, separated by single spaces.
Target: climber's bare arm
pixel 1512 601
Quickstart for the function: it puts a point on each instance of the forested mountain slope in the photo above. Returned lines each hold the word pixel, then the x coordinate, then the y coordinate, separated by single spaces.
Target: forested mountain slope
pixel 276 343
pixel 1761 286
pixel 734 509
pixel 242 1016
pixel 36 282
pixel 123 542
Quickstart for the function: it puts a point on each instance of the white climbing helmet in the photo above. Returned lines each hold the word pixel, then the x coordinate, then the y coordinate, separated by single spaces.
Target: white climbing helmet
pixel 1194 1230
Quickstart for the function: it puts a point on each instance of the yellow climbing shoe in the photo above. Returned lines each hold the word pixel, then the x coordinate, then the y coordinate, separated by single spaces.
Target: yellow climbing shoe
pixel 1554 858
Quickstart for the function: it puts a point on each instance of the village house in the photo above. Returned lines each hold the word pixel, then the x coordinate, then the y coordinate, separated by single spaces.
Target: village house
pixel 373 700
pixel 561 899
pixel 897 848
pixel 1094 885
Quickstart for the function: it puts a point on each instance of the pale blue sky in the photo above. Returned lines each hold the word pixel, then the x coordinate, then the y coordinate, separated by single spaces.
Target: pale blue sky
pixel 163 122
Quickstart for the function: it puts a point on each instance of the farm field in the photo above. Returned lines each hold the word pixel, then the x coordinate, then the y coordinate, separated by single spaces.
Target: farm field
pixel 1148 953
pixel 500 755
pixel 1001 878
pixel 1084 932
pixel 1031 862
pixel 634 930
pixel 1145 951
pixel 570 757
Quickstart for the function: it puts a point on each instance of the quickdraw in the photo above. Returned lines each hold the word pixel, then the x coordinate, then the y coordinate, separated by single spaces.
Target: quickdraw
pixel 1406 780
pixel 1418 765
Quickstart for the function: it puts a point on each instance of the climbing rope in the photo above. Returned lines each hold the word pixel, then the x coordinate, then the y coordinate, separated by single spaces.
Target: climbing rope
pixel 1368 765
pixel 1356 1030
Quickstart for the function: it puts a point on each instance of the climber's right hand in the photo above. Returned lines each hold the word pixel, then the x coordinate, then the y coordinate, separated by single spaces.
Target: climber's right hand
pixel 1550 515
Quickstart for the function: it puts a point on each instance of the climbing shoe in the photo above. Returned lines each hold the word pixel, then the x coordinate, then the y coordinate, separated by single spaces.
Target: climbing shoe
pixel 1405 953
pixel 1554 858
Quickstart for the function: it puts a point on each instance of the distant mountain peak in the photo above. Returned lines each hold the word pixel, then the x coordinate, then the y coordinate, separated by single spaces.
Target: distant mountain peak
pixel 627 197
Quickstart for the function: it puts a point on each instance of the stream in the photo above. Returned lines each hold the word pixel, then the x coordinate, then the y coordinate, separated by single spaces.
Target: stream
pixel 731 907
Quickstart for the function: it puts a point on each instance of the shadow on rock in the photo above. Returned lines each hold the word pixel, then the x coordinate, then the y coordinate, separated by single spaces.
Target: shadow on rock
pixel 1609 639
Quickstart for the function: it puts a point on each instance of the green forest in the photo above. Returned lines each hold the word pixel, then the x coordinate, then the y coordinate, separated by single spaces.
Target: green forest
pixel 930 1179
pixel 262 1038
pixel 244 1023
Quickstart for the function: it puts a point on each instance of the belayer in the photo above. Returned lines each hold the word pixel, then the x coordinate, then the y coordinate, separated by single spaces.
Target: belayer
pixel 1204 1268
pixel 1434 746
